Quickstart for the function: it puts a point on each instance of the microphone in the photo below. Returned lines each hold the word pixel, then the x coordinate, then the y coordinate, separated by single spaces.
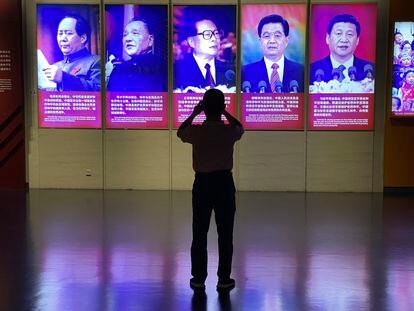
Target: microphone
pixel 319 75
pixel 246 86
pixel 278 87
pixel 294 86
pixel 262 86
pixel 369 71
pixel 336 72
pixel 352 73
pixel 230 75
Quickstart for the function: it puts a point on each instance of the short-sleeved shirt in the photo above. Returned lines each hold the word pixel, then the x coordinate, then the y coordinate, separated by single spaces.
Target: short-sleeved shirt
pixel 213 143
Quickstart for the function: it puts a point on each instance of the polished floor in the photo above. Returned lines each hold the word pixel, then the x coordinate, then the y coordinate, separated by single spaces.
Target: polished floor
pixel 129 250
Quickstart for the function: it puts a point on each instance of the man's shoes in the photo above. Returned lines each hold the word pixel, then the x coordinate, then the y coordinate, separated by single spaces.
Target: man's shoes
pixel 226 284
pixel 197 284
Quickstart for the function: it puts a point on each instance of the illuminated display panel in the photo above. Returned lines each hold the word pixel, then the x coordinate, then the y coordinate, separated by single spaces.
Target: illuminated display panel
pixel 136 70
pixel 203 35
pixel 273 54
pixel 342 66
pixel 69 69
pixel 402 104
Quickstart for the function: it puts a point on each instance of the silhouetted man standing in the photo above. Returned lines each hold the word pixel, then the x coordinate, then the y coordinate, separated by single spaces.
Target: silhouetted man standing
pixel 213 187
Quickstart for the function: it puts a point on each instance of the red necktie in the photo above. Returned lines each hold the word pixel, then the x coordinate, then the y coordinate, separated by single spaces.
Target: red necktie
pixel 274 77
pixel 209 77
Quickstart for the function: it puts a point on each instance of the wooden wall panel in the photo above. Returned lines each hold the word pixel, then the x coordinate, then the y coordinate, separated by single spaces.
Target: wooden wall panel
pixel 137 159
pixel 399 134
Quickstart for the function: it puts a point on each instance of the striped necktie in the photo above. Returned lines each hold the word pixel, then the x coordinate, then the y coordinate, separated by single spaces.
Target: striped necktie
pixel 274 77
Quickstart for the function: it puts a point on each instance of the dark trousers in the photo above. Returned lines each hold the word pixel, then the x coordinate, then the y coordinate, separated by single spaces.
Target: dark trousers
pixel 213 191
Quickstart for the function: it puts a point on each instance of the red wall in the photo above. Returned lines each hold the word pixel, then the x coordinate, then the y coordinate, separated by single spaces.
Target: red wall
pixel 12 155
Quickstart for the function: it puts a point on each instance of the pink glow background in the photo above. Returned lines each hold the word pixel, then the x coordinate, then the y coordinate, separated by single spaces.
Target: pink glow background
pixel 163 114
pixel 321 14
pixel 96 114
pixel 350 115
pixel 283 125
pixel 295 14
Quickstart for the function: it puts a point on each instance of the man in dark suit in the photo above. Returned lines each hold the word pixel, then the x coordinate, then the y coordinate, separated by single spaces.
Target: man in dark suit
pixel 342 38
pixel 274 73
pixel 143 72
pixel 201 69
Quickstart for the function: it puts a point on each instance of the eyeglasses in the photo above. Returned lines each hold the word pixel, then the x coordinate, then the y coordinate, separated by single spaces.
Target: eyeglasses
pixel 268 35
pixel 207 34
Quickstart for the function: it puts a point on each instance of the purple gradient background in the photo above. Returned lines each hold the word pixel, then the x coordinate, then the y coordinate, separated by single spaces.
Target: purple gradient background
pixel 321 14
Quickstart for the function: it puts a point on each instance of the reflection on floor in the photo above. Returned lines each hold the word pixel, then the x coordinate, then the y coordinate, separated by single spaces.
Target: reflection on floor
pixel 91 250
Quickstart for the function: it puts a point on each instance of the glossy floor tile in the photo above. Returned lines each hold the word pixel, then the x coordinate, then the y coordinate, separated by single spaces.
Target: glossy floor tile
pixel 89 250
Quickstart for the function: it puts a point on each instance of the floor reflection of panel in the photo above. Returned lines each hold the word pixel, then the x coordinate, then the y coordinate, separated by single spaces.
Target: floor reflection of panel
pixel 399 251
pixel 338 246
pixel 66 233
pixel 130 250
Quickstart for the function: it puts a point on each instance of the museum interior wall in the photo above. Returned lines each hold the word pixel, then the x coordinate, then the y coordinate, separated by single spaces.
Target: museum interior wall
pixel 264 160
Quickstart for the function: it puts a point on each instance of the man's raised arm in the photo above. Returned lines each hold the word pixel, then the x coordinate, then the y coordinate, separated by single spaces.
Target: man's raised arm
pixel 232 120
pixel 181 130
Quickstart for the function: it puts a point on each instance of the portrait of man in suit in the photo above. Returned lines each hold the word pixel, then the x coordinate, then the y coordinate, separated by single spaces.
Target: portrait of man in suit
pixel 201 69
pixel 274 73
pixel 144 71
pixel 79 70
pixel 342 37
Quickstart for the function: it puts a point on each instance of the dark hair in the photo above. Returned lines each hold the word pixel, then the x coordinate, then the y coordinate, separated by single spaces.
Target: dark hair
pixel 407 72
pixel 397 33
pixel 336 72
pixel 82 27
pixel 405 42
pixel 368 68
pixel 274 19
pixel 344 18
pixel 190 28
pixel 213 102
pixel 147 25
